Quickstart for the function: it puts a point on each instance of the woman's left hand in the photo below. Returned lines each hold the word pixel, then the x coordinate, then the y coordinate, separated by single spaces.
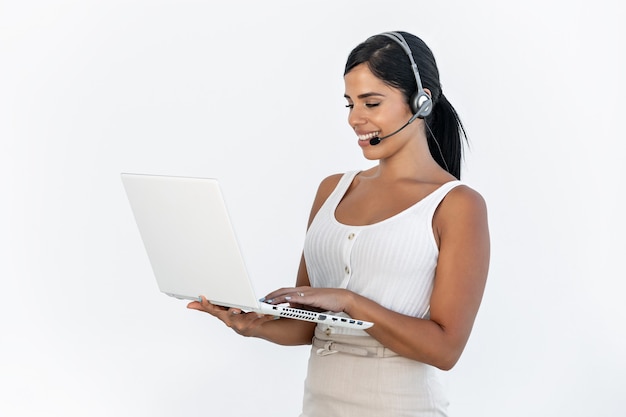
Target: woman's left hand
pixel 325 299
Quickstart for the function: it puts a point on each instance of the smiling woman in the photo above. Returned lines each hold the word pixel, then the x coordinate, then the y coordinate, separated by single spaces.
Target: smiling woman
pixel 403 244
pixel 385 65
pixel 252 93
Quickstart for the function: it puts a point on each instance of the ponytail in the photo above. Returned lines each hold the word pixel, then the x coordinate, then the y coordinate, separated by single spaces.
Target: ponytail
pixel 445 134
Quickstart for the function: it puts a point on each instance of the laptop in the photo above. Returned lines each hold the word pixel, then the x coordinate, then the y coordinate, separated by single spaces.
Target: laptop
pixel 193 250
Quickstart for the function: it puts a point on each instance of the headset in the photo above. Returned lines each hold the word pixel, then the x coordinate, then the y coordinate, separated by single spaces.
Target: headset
pixel 420 102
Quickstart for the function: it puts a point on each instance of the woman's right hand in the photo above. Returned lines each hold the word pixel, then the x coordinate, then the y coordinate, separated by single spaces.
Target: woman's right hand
pixel 246 324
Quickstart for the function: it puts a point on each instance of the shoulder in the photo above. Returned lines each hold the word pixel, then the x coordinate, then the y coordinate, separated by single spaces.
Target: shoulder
pixel 328 184
pixel 464 196
pixel 462 206
pixel 326 187
pixel 324 190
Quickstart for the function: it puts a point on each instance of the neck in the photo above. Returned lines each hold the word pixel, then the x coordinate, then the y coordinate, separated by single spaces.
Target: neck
pixel 412 161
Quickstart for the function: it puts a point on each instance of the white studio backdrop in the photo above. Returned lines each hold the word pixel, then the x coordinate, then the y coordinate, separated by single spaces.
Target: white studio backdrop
pixel 251 92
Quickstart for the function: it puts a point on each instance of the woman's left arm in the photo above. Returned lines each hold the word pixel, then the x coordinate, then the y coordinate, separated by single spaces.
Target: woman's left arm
pixel 461 230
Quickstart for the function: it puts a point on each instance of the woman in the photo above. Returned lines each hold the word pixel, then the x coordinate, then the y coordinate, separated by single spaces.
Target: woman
pixel 403 244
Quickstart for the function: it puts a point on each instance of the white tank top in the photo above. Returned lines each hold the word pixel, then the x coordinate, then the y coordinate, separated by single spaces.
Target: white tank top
pixel 391 262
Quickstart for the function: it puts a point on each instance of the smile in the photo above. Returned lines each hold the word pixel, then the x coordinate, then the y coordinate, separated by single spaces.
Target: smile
pixel 368 136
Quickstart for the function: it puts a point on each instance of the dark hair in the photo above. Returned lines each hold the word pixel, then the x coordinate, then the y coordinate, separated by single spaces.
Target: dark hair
pixel 388 61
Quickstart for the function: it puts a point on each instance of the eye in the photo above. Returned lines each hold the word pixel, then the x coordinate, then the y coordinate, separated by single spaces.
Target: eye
pixel 371 104
pixel 350 106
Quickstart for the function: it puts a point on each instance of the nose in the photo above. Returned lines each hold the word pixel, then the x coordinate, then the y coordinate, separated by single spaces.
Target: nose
pixel 356 117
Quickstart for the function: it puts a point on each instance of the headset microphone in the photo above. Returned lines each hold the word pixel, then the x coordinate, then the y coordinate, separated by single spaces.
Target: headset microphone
pixel 377 140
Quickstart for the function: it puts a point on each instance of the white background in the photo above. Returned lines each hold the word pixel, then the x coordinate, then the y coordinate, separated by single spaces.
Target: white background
pixel 251 92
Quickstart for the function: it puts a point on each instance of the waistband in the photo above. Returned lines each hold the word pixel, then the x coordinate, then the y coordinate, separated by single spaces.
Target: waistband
pixel 365 346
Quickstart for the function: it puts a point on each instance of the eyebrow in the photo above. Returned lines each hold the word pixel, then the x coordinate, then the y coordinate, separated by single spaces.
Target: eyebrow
pixel 366 95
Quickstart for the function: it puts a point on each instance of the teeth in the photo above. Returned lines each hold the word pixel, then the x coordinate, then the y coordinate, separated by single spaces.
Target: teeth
pixel 368 136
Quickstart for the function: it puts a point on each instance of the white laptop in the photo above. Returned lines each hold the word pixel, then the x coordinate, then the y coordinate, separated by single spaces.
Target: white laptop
pixel 193 250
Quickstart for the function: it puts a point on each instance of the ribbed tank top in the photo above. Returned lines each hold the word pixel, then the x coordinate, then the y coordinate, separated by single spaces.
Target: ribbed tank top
pixel 391 262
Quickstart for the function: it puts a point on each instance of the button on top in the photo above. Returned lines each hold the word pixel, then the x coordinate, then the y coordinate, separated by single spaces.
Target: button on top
pixel 351 236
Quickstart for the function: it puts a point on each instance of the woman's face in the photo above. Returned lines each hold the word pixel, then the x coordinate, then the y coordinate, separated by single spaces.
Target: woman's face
pixel 376 109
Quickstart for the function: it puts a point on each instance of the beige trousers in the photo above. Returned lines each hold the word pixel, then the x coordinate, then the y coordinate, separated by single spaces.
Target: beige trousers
pixel 355 376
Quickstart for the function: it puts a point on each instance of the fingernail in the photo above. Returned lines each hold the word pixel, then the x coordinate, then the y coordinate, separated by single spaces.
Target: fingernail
pixel 262 299
pixel 276 317
pixel 269 301
pixel 287 298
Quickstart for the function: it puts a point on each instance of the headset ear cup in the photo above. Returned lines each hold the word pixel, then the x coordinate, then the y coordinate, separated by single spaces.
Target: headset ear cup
pixel 421 104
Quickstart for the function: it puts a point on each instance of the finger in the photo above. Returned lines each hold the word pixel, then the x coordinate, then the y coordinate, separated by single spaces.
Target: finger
pixel 204 305
pixel 200 304
pixel 281 292
pixel 293 298
pixel 286 295
pixel 212 307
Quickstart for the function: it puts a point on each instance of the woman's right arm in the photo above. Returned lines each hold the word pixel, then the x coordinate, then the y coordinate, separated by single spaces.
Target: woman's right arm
pixel 281 331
